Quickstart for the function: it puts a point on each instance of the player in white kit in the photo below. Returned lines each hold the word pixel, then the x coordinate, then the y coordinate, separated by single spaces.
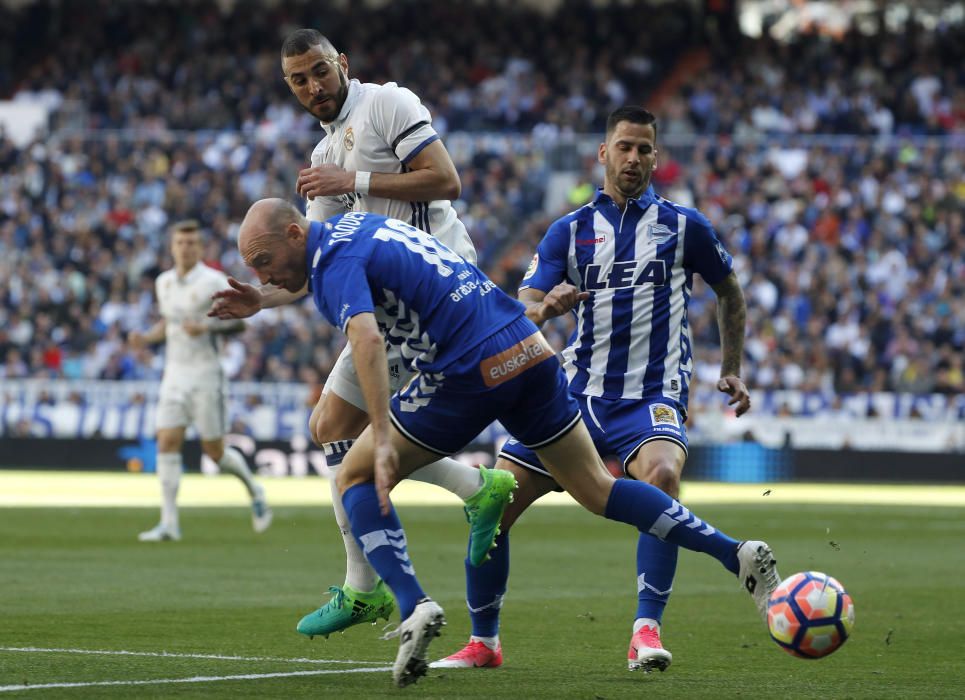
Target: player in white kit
pixel 380 154
pixel 193 386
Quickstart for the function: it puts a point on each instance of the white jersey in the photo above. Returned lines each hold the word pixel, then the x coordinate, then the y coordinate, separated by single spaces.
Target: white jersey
pixel 190 361
pixel 380 129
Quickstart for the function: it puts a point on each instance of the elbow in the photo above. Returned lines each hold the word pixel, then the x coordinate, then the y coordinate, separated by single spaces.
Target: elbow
pixel 452 187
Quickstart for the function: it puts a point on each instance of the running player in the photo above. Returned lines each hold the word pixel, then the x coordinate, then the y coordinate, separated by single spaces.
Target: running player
pixel 193 386
pixel 625 263
pixel 477 358
pixel 379 154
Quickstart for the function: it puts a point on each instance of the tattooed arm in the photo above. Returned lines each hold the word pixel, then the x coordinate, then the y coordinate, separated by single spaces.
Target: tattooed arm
pixel 731 316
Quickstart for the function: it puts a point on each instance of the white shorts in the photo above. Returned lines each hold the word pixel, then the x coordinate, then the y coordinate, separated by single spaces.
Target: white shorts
pixel 344 380
pixel 206 409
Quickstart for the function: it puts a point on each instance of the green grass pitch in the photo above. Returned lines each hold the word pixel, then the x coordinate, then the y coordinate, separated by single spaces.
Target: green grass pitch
pixel 76 579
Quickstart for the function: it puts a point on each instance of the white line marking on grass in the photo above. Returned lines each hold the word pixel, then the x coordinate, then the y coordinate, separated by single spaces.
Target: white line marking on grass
pixel 193 679
pixel 176 655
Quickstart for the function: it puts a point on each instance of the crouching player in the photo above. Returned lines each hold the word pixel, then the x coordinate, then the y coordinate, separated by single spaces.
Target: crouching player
pixel 477 359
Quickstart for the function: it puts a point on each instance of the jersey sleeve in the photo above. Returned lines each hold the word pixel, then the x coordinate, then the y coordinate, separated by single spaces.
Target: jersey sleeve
pixel 344 291
pixel 703 251
pixel 403 121
pixel 548 267
pixel 323 207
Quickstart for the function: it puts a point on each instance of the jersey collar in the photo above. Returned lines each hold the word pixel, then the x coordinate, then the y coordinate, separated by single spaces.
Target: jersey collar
pixel 354 90
pixel 190 274
pixel 313 247
pixel 643 201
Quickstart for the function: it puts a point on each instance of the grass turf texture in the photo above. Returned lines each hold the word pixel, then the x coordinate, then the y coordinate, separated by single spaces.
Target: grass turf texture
pixel 76 578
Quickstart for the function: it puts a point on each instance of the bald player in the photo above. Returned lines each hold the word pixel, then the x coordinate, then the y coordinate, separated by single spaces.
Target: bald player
pixel 476 358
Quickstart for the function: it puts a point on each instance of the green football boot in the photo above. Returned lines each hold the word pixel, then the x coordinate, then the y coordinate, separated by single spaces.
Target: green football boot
pixel 348 607
pixel 484 510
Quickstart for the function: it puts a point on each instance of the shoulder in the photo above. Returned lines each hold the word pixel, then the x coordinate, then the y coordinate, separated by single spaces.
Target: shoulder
pixel 210 274
pixel 390 95
pixel 565 223
pixel 694 218
pixel 559 233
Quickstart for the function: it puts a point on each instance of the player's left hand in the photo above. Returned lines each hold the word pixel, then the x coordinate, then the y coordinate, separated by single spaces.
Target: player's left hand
pixel 386 473
pixel 561 299
pixel 194 328
pixel 324 180
pixel 240 300
pixel 734 387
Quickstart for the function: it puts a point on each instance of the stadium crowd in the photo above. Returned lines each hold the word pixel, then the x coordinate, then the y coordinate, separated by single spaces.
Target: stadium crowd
pixel 851 250
pixel 191 66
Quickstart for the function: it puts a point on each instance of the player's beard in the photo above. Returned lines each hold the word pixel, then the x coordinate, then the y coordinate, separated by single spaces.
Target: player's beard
pixel 628 187
pixel 336 101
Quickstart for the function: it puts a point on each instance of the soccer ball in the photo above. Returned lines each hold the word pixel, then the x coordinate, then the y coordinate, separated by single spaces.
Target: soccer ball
pixel 810 615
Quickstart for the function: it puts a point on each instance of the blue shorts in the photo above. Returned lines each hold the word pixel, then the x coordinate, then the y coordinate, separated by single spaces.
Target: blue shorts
pixel 618 427
pixel 513 377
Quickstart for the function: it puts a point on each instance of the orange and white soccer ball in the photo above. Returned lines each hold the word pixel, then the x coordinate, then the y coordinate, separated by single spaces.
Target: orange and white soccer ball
pixel 810 615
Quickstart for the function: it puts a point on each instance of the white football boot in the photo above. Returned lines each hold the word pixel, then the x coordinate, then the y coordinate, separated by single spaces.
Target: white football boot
pixel 160 533
pixel 261 515
pixel 415 633
pixel 758 572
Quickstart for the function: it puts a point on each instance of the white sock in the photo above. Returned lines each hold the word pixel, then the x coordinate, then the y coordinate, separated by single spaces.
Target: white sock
pixel 233 463
pixel 452 475
pixel 169 474
pixel 359 574
pixel 491 642
pixel 645 622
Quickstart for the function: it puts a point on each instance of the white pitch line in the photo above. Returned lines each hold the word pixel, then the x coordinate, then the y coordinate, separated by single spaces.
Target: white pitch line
pixel 193 679
pixel 176 655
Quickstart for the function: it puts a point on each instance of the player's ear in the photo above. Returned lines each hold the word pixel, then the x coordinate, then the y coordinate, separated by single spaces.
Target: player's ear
pixel 343 63
pixel 601 155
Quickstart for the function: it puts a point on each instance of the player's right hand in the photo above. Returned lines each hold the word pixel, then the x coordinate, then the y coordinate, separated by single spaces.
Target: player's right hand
pixel 561 299
pixel 324 180
pixel 241 300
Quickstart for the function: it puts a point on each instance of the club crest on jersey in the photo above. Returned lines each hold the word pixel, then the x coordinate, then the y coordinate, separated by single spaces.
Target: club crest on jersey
pixel 662 414
pixel 349 139
pixel 533 264
pixel 658 233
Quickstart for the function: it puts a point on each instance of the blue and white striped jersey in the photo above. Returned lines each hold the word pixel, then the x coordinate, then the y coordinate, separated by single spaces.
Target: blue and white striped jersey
pixel 632 340
pixel 428 301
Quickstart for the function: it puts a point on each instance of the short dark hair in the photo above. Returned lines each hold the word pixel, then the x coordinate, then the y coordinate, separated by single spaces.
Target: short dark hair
pixel 632 114
pixel 186 226
pixel 301 40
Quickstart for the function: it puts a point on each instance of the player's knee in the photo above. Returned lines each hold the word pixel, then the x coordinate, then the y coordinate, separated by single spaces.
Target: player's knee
pixel 168 443
pixel 328 430
pixel 314 433
pixel 214 452
pixel 663 474
pixel 347 478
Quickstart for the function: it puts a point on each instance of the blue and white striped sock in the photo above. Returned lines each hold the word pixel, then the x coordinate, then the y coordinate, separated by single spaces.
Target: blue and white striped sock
pixel 383 541
pixel 652 511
